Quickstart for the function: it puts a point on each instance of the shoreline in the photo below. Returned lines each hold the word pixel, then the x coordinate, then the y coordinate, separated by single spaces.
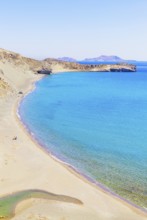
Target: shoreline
pixel 24 164
pixel 68 166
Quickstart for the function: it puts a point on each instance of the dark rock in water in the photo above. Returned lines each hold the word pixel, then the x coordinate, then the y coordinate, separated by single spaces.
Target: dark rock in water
pixel 44 71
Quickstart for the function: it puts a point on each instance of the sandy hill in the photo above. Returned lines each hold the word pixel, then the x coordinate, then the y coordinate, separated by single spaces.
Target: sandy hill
pixel 16 69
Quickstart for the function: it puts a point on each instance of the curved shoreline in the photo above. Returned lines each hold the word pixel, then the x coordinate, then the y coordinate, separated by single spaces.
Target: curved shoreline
pixel 66 165
pixel 25 165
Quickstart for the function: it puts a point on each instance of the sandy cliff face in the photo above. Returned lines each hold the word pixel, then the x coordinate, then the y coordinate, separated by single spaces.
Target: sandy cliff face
pixel 19 61
pixel 15 70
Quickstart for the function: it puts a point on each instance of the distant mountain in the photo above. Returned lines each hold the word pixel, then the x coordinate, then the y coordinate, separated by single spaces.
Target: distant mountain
pixel 104 58
pixel 67 59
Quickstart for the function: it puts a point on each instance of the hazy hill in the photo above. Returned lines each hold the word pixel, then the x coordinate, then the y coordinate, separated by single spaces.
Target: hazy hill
pixel 67 59
pixel 104 58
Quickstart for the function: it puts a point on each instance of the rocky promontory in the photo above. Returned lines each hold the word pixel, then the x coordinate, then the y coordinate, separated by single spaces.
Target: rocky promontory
pixel 13 63
pixel 57 66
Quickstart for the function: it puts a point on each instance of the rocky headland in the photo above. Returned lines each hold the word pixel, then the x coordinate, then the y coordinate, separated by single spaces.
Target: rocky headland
pixel 24 67
pixel 74 66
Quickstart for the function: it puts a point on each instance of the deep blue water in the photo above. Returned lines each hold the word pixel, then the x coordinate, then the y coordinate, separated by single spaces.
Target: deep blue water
pixel 97 122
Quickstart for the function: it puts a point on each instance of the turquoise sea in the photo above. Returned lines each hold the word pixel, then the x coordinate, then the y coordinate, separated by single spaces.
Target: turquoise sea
pixel 97 123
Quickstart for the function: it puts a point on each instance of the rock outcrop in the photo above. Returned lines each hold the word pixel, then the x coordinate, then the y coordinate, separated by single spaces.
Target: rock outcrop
pixel 13 63
pixel 57 65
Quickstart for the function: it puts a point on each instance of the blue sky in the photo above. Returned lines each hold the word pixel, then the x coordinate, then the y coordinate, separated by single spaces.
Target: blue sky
pixel 75 28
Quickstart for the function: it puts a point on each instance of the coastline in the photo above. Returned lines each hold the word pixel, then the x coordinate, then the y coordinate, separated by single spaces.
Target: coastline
pixel 98 202
pixel 68 166
pixel 71 168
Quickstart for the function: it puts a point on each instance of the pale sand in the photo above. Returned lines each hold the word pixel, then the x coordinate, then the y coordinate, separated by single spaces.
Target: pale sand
pixel 24 165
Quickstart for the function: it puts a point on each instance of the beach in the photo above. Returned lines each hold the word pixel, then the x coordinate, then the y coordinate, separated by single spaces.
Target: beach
pixel 25 165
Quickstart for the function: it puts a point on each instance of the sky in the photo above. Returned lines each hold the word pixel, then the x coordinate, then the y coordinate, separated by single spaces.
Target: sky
pixel 74 28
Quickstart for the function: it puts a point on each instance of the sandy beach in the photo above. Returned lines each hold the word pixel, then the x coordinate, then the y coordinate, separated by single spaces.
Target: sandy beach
pixel 25 165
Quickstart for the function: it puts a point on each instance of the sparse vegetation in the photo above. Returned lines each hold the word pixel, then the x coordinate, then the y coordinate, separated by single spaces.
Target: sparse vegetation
pixel 4 87
pixel 9 202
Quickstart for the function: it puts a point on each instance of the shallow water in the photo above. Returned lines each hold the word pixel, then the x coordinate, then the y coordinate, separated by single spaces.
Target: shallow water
pixel 97 122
